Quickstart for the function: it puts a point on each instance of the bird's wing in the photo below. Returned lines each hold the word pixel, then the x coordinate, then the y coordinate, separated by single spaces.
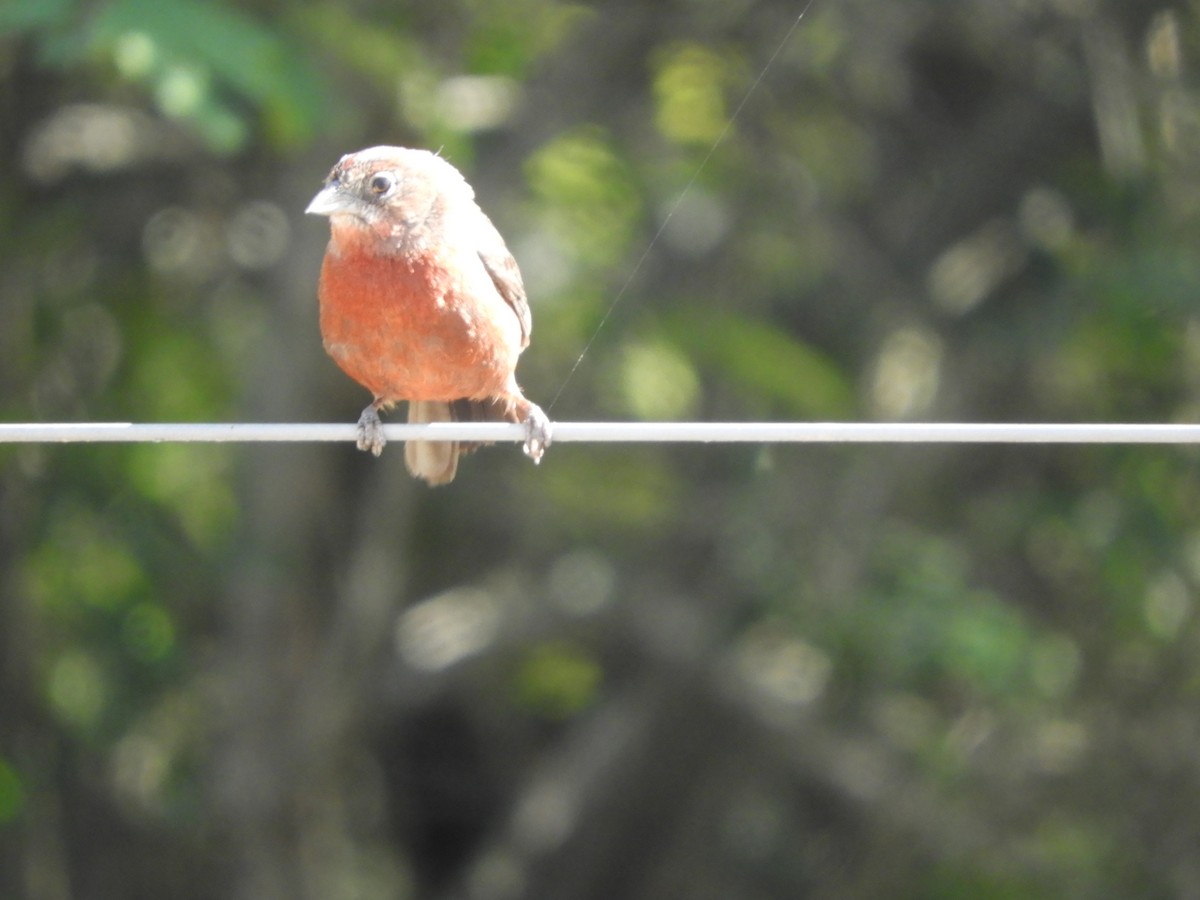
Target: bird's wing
pixel 502 268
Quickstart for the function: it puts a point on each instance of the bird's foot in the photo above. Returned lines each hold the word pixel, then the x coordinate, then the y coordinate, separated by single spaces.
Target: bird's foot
pixel 370 431
pixel 537 433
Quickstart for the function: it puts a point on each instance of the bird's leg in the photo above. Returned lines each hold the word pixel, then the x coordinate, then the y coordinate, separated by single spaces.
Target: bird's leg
pixel 537 433
pixel 370 430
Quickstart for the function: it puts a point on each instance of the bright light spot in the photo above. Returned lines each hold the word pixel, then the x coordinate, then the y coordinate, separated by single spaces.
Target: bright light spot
pixel 546 263
pixel 784 669
pixel 257 235
pixel 1116 104
pixel 963 276
pixel 447 629
pixel 582 582
pixel 139 769
pixel 658 381
pixel 699 222
pixel 177 241
pixel 1167 606
pixel 91 137
pixel 1162 45
pixel 971 730
pixel 1046 219
pixel 545 816
pixel 78 689
pixel 907 373
pixel 1059 744
pixel 181 91
pixel 134 54
pixel 476 102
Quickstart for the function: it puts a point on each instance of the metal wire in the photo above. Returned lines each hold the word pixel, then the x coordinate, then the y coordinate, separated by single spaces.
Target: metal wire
pixel 619 432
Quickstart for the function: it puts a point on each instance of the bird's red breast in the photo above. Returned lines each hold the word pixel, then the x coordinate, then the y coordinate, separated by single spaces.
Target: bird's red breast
pixel 424 324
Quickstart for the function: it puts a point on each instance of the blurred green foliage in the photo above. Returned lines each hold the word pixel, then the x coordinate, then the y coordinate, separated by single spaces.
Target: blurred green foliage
pixel 635 671
pixel 558 680
pixel 690 88
pixel 777 374
pixel 12 793
pixel 587 196
pixel 201 62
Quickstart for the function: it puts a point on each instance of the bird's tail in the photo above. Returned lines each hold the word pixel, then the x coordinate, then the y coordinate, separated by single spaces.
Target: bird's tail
pixel 434 461
pixel 437 461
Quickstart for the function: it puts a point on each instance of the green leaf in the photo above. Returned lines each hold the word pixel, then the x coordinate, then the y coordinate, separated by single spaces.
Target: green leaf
pixel 217 47
pixel 768 362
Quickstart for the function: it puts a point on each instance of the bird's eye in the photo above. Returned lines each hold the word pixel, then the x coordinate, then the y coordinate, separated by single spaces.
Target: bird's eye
pixel 381 184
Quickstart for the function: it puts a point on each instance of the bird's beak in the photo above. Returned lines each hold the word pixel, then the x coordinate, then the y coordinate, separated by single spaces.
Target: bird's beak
pixel 331 199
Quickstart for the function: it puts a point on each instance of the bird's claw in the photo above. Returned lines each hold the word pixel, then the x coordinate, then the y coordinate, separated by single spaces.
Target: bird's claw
pixel 370 431
pixel 537 434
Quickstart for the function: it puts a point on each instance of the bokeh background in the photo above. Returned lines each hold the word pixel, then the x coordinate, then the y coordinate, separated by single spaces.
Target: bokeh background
pixel 636 671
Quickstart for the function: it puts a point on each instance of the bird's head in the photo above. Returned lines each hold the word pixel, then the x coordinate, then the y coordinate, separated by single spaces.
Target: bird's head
pixel 386 187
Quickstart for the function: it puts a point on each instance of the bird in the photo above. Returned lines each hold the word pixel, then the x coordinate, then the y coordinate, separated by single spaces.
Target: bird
pixel 421 300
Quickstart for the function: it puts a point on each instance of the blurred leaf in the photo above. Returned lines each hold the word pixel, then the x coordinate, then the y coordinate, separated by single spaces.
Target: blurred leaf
pixel 558 679
pixel 79 690
pixel 950 882
pixel 836 152
pixel 767 363
pixel 689 89
pixel 177 46
pixel 193 481
pixel 12 792
pixel 987 643
pixel 385 55
pixel 149 632
pixel 926 623
pixel 173 378
pixel 83 561
pixel 586 194
pixel 632 492
pixel 508 38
